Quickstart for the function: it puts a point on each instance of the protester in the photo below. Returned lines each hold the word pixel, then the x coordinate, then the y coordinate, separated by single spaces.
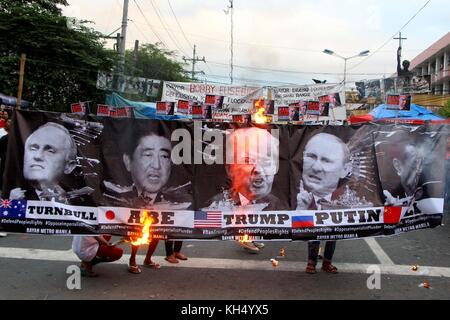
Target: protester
pixel 3 149
pixel 94 250
pixel 326 160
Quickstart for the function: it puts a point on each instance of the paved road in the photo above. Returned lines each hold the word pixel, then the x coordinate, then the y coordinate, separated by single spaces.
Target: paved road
pixel 34 267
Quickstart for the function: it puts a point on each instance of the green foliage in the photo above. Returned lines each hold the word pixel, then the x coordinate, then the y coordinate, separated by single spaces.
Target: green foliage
pixel 153 62
pixel 62 64
pixel 49 6
pixel 445 110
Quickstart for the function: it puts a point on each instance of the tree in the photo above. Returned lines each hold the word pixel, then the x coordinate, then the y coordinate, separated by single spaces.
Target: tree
pixel 153 62
pixel 445 110
pixel 62 64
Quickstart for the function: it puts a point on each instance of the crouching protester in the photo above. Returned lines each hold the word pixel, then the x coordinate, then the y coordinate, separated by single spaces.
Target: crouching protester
pixel 93 250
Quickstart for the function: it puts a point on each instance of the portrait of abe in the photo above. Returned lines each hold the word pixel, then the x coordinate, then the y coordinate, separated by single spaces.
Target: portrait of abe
pixel 146 157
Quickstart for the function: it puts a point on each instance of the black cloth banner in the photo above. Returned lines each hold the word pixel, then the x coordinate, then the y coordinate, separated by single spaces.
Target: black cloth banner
pixel 67 174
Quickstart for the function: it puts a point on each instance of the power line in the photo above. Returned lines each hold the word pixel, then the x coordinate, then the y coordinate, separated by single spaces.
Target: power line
pixel 179 25
pixel 237 43
pixel 151 27
pixel 140 31
pixel 261 69
pixel 252 80
pixel 155 8
pixel 182 32
pixel 390 38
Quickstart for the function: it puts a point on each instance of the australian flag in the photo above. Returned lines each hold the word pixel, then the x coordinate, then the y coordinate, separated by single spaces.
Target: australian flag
pixel 207 219
pixel 13 208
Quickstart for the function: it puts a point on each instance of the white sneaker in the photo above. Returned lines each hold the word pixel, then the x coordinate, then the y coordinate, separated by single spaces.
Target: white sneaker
pixel 2 234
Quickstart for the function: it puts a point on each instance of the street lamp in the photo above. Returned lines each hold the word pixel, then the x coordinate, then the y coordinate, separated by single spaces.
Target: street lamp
pixel 332 53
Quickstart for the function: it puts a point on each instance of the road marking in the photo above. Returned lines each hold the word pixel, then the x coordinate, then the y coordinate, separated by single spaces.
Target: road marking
pixel 382 256
pixel 236 264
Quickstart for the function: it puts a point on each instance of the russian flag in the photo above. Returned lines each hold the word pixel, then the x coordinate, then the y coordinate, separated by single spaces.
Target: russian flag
pixel 302 221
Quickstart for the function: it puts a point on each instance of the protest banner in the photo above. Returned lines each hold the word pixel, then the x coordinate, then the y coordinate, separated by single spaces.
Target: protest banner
pixel 377 180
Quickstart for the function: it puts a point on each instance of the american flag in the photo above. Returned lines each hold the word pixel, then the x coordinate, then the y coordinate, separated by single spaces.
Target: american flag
pixel 13 208
pixel 208 219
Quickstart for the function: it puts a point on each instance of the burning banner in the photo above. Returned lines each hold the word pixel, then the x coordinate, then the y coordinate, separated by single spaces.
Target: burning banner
pixel 143 179
pixel 225 100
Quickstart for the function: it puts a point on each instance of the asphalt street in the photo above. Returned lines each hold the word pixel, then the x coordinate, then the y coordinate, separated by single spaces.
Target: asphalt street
pixel 34 267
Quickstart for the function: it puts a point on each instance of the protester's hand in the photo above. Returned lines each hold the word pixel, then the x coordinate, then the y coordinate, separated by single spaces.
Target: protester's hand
pixel 304 198
pixel 102 240
pixel 17 194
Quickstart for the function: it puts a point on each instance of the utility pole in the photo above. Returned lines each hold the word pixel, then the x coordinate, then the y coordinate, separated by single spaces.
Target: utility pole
pixel 23 58
pixel 229 10
pixel 400 42
pixel 122 43
pixel 194 61
pixel 136 51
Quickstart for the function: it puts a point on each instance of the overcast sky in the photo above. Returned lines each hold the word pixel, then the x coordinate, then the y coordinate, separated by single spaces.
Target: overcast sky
pixel 286 35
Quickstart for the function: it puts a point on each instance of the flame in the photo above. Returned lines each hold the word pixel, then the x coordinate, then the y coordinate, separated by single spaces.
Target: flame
pixel 260 116
pixel 146 220
pixel 244 239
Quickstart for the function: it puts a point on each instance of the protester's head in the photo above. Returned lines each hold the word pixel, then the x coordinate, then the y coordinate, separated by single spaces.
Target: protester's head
pixel 326 160
pixel 147 158
pixel 5 115
pixel 255 162
pixel 407 162
pixel 50 152
pixel 405 65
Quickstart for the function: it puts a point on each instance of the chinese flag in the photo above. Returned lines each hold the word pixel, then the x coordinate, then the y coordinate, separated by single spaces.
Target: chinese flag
pixel 392 215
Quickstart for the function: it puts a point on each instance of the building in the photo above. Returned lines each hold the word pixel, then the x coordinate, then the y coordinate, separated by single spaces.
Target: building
pixel 435 63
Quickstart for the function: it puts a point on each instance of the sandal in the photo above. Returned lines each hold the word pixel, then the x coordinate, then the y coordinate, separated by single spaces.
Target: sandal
pixel 171 259
pixel 87 272
pixel 328 267
pixel 134 269
pixel 311 268
pixel 152 265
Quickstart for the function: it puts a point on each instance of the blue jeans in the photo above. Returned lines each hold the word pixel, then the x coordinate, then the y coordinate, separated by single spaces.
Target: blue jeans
pixel 313 250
